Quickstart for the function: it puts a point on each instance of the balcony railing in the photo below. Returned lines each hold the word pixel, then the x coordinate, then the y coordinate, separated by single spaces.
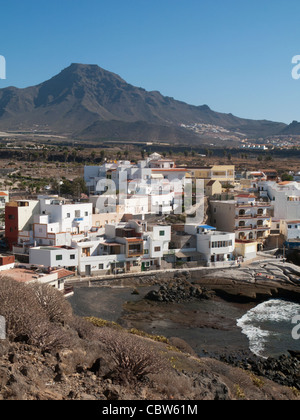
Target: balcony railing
pixel 242 228
pixel 256 216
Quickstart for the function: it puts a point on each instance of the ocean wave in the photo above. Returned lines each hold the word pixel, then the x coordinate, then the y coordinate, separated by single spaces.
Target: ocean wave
pixel 254 324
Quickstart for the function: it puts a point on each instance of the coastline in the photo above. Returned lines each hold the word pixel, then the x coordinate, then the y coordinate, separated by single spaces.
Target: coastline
pixel 203 328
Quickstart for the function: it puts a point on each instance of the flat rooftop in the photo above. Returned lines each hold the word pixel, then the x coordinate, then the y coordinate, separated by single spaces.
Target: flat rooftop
pixel 21 275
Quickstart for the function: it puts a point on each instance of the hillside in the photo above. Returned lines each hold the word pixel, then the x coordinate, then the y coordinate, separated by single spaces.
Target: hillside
pixel 90 102
pixel 51 354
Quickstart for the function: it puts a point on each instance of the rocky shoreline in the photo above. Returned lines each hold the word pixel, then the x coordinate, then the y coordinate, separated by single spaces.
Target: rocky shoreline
pixel 177 291
pixel 256 282
pixel 284 370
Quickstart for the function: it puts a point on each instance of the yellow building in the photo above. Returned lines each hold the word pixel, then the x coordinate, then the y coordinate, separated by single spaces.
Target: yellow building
pixel 222 173
pixel 212 188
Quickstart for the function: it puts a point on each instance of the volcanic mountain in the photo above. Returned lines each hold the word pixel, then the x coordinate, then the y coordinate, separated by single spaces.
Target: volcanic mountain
pixel 89 102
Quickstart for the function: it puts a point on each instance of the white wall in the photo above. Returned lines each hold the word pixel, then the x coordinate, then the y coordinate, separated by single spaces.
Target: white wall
pixel 204 244
pixel 290 229
pixel 48 257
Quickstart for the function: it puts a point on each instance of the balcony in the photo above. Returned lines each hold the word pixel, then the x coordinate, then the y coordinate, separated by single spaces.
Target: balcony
pixel 255 216
pixel 135 247
pixel 254 227
pixel 253 205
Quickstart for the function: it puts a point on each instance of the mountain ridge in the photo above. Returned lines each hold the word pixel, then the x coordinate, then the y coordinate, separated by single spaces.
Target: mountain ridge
pixel 82 98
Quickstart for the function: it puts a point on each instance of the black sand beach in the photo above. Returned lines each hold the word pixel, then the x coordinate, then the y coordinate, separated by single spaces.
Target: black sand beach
pixel 208 326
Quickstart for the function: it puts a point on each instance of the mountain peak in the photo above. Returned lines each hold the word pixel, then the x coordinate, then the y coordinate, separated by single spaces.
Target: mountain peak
pixel 84 94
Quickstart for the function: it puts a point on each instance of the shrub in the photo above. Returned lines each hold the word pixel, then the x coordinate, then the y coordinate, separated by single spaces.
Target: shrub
pixel 33 317
pixel 19 307
pixel 133 357
pixel 52 302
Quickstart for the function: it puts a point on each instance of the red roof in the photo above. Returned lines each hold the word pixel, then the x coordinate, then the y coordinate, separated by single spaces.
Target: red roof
pixel 62 273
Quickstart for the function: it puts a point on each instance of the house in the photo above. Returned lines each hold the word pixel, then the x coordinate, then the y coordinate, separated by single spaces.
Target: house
pixel 6 262
pixel 246 249
pixel 290 229
pixel 53 278
pixel 215 246
pixel 212 188
pixel 54 257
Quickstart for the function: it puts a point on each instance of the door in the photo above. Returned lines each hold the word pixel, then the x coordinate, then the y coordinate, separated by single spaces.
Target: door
pixel 88 270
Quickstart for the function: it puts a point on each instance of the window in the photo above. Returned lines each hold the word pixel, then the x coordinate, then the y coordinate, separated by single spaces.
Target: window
pixel 101 267
pixel 68 215
pixel 157 249
pixel 86 213
pixel 161 233
pixel 72 257
pixel 11 217
pixel 77 213
pixel 59 257
pixel 146 251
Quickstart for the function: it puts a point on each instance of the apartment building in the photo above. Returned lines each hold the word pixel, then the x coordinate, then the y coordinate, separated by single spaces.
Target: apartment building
pixel 48 221
pixel 248 218
pixel 222 173
pixel 70 217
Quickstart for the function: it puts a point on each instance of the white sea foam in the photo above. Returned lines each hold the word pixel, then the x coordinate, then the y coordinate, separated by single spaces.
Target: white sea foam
pixel 253 323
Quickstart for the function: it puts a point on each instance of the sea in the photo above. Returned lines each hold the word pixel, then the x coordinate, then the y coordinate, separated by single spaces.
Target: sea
pixel 209 327
pixel 270 329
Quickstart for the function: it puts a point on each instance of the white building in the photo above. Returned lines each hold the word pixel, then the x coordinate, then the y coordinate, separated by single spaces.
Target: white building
pixel 70 217
pixel 54 257
pixel 285 197
pixel 122 183
pixel 122 247
pixel 290 229
pixel 216 247
pixel 248 218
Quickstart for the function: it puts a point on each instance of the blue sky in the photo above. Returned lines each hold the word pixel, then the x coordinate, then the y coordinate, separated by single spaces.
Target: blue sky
pixel 233 55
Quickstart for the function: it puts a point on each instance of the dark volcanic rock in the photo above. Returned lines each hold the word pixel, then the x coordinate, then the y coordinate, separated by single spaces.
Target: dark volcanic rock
pixel 284 370
pixel 177 291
